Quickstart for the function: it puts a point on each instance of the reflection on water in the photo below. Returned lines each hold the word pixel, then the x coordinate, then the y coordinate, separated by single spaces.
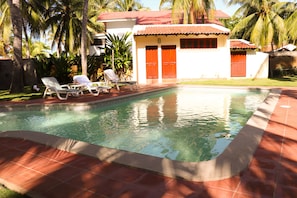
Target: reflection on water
pixel 186 124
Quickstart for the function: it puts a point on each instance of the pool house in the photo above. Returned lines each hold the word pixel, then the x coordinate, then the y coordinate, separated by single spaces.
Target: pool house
pixel 164 52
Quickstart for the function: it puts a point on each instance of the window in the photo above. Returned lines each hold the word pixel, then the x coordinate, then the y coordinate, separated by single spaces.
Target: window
pixel 198 43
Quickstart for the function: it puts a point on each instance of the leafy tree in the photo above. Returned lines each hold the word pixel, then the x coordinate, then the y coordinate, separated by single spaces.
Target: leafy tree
pixel 118 52
pixel 191 9
pixel 290 17
pixel 36 48
pixel 127 5
pixel 65 19
pixel 5 28
pixel 261 22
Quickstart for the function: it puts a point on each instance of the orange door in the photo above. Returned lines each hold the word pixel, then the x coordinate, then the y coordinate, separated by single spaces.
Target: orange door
pixel 151 62
pixel 169 61
pixel 238 64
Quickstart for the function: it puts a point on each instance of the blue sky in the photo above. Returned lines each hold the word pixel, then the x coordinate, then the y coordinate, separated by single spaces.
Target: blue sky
pixel 220 5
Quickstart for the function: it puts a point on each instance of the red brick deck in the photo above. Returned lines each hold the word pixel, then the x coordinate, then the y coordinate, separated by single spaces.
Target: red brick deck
pixel 42 171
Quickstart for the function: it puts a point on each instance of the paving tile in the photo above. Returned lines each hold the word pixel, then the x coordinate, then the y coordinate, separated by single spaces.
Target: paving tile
pixel 259 173
pixel 106 187
pixel 285 192
pixel 86 162
pixel 62 190
pixel 266 164
pixel 88 194
pixel 10 169
pixel 128 174
pixel 64 173
pixel 256 188
pixel 288 179
pixel 229 184
pixel 181 187
pixel 217 193
pixel 11 155
pixel 135 191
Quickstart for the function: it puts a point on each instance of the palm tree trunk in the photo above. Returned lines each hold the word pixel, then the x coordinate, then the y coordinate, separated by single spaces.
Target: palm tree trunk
pixel 84 39
pixel 17 83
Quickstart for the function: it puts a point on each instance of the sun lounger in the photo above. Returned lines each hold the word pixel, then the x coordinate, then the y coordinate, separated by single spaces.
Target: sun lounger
pixel 93 87
pixel 110 76
pixel 52 86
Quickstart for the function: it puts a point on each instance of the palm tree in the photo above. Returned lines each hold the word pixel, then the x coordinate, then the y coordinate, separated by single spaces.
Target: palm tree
pixel 5 27
pixel 291 21
pixel 36 48
pixel 261 22
pixel 17 83
pixel 192 9
pixel 118 53
pixel 65 19
pixel 128 5
pixel 84 38
pixel 102 5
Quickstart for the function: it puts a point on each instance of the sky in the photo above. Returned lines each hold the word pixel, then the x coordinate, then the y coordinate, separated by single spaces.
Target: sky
pixel 220 5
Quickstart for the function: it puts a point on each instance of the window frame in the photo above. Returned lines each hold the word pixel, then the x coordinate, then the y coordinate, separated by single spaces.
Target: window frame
pixel 198 43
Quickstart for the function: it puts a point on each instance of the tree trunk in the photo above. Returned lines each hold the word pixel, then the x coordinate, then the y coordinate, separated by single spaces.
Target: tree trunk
pixel 17 83
pixel 84 39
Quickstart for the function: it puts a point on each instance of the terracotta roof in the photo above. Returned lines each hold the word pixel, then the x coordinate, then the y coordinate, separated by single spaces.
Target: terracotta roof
pixel 241 44
pixel 195 29
pixel 147 17
pixel 141 17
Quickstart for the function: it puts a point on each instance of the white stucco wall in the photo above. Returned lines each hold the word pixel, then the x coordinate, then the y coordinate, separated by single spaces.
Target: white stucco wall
pixel 257 64
pixel 120 27
pixel 190 63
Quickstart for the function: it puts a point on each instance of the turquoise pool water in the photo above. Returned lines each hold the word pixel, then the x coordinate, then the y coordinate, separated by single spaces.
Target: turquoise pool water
pixel 186 123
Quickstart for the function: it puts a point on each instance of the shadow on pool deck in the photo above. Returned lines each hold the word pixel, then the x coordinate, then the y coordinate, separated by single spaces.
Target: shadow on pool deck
pixel 43 171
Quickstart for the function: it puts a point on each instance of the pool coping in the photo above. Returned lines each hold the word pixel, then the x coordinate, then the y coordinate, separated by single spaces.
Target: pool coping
pixel 230 163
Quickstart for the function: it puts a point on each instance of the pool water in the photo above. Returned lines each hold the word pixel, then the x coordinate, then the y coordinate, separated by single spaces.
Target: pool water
pixel 186 124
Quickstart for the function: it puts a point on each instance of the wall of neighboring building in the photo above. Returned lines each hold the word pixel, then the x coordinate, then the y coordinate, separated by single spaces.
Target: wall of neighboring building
pixel 190 63
pixel 257 64
pixel 120 27
pixel 6 70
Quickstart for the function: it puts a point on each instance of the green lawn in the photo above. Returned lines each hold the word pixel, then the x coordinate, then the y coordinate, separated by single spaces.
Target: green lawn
pixel 27 95
pixel 6 193
pixel 280 82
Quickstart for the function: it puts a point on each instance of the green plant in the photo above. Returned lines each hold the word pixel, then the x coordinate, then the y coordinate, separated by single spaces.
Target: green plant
pixel 118 52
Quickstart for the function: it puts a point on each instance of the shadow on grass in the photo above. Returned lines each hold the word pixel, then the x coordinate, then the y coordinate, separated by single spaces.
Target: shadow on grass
pixel 286 79
pixel 28 94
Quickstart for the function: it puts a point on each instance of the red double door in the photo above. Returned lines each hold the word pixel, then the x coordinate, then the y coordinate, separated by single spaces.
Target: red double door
pixel 168 62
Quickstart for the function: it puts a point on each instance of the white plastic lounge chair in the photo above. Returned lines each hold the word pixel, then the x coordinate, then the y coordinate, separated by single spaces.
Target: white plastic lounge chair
pixel 52 86
pixel 93 87
pixel 110 76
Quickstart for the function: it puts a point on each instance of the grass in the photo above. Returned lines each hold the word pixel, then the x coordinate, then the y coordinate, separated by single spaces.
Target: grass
pixel 26 95
pixel 288 81
pixel 6 193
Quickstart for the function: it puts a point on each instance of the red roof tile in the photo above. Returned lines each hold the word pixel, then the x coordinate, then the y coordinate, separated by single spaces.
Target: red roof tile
pixel 241 44
pixel 195 29
pixel 147 17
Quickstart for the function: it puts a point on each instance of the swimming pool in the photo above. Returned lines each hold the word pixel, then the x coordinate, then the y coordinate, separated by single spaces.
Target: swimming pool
pixel 184 124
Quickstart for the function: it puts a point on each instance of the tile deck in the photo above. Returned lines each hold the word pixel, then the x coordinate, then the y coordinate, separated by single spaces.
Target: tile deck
pixel 42 171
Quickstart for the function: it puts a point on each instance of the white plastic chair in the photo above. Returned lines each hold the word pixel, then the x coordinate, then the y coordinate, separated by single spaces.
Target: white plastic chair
pixel 93 87
pixel 52 86
pixel 110 76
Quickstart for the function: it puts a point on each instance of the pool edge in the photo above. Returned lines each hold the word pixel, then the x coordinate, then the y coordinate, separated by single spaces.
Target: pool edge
pixel 226 165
